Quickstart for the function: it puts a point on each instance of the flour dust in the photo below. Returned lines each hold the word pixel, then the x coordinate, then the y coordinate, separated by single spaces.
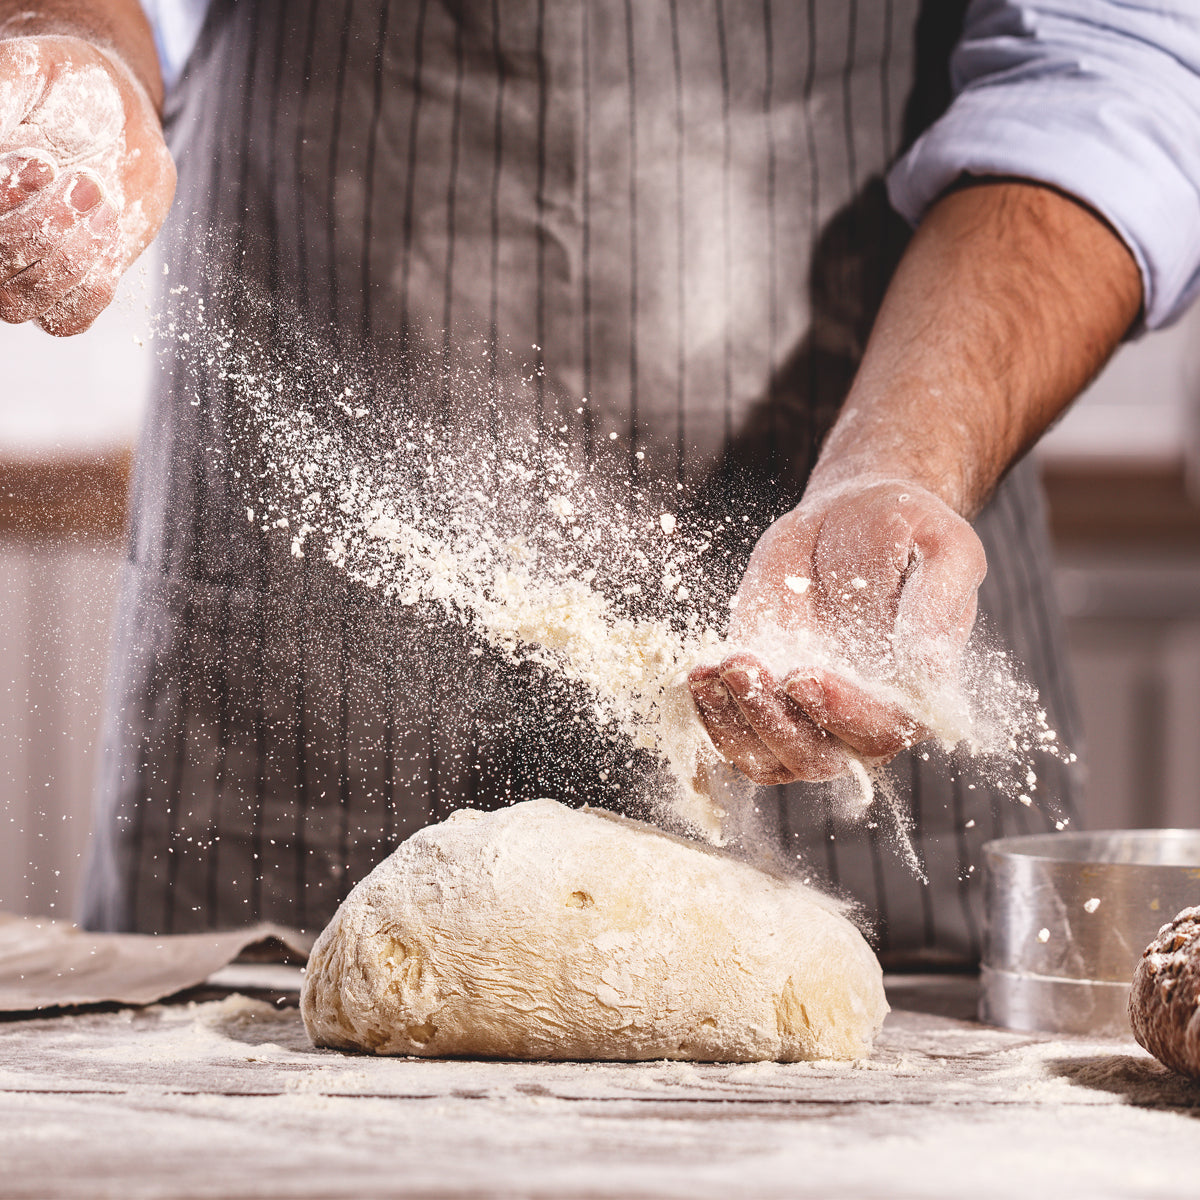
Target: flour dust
pixel 434 492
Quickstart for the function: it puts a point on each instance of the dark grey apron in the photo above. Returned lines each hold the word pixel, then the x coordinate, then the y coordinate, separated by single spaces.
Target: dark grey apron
pixel 681 207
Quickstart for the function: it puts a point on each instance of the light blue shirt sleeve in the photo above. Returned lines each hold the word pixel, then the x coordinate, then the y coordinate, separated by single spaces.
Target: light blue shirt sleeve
pixel 1100 98
pixel 176 25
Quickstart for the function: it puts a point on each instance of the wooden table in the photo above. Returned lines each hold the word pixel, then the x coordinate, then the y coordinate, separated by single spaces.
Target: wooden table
pixel 226 1098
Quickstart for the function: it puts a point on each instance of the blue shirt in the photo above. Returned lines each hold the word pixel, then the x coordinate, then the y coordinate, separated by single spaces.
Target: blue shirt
pixel 1099 98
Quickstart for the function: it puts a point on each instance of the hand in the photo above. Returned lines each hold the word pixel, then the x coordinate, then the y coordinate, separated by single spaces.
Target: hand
pixel 853 615
pixel 85 179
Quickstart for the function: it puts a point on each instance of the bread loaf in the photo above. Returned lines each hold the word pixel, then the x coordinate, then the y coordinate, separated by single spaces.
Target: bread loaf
pixel 1164 1003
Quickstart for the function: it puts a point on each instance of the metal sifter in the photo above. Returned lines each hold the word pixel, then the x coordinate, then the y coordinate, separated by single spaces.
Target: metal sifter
pixel 1067 918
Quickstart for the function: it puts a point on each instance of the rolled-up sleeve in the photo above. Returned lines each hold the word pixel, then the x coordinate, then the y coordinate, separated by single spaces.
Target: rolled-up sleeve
pixel 1098 98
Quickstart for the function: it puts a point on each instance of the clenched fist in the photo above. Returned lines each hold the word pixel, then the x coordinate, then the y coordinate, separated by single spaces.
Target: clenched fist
pixel 863 597
pixel 85 179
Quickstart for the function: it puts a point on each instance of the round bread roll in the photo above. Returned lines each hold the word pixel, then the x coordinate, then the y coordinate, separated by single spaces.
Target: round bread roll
pixel 1164 1003
pixel 543 932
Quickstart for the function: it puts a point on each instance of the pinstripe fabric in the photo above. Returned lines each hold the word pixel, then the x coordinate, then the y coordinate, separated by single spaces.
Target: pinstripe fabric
pixel 673 210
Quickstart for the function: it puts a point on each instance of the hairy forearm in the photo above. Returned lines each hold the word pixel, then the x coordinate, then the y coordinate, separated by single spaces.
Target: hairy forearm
pixel 119 26
pixel 1008 301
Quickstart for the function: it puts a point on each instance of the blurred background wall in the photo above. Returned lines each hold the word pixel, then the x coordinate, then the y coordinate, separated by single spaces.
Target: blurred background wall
pixel 69 415
pixel 1122 472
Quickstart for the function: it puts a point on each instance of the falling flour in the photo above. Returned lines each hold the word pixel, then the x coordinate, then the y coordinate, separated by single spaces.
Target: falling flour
pixel 547 561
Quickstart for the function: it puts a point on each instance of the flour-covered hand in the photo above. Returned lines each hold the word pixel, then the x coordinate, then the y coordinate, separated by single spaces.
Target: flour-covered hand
pixel 85 179
pixel 854 611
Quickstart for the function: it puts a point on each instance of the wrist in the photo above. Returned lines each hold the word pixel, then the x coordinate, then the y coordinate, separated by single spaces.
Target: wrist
pixel 1007 302
pixel 935 461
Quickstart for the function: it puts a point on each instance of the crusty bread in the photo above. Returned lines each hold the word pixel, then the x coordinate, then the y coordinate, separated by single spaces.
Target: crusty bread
pixel 1164 1003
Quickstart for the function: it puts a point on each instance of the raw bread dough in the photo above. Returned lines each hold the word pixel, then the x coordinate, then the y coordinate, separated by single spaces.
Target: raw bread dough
pixel 544 932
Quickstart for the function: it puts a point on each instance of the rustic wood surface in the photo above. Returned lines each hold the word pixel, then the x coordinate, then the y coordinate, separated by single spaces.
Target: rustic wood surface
pixel 226 1098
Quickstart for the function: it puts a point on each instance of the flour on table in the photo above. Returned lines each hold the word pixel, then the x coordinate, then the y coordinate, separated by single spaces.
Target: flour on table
pixel 543 932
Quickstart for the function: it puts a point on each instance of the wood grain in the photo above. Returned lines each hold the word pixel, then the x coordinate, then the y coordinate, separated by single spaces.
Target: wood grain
pixel 227 1098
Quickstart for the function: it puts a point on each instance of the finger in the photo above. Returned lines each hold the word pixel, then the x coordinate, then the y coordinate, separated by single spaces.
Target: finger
pixel 735 741
pixel 64 272
pixel 22 175
pixel 79 308
pixel 801 748
pixel 872 727
pixel 29 233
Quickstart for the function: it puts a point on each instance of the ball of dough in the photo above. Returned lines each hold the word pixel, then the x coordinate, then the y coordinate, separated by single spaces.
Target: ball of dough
pixel 1164 1002
pixel 543 932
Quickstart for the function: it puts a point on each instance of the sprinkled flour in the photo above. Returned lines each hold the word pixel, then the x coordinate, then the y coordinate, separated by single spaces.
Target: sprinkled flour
pixel 614 591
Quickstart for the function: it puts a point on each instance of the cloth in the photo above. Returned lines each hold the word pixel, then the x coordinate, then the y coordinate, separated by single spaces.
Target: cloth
pixel 176 25
pixel 683 211
pixel 1099 99
pixel 51 964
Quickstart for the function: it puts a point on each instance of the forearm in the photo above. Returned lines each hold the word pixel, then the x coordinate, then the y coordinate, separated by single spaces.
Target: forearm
pixel 119 26
pixel 1008 301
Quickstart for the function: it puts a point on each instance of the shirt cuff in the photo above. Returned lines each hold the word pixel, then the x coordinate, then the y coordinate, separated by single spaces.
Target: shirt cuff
pixel 1089 141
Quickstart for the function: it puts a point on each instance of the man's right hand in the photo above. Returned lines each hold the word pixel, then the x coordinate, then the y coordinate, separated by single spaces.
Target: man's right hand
pixel 85 179
pixel 883 576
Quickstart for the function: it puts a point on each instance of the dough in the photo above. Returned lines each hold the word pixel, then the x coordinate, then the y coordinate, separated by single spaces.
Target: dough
pixel 544 932
pixel 1164 1002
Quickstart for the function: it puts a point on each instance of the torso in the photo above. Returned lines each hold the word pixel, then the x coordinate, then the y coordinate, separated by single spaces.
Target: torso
pixel 681 208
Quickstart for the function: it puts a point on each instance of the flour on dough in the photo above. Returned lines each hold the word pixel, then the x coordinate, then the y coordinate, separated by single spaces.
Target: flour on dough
pixel 543 932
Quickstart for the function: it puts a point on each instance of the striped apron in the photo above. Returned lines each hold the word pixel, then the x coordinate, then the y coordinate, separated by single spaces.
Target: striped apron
pixel 674 210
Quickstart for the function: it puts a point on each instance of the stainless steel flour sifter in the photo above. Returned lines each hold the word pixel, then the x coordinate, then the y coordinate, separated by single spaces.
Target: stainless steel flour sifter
pixel 1067 918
